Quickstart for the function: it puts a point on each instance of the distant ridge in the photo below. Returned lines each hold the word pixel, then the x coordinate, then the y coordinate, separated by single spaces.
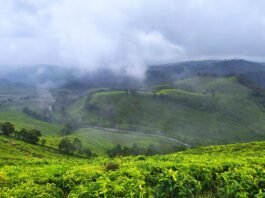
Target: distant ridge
pixel 169 72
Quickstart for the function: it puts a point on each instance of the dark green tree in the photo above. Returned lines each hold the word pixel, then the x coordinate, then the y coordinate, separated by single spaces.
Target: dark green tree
pixel 22 133
pixel 7 128
pixel 115 151
pixel 32 136
pixel 66 146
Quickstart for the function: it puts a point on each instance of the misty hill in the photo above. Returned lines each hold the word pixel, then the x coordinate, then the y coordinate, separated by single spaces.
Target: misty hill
pixel 103 78
pixel 196 110
pixel 9 88
pixel 195 102
pixel 39 75
pixel 123 118
pixel 4 83
pixel 50 76
pixel 74 79
pixel 170 72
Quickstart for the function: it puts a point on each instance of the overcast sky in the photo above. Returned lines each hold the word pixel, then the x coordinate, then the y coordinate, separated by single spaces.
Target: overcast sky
pixel 129 34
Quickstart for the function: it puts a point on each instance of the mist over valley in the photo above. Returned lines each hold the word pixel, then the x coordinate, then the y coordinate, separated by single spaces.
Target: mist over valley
pixel 132 98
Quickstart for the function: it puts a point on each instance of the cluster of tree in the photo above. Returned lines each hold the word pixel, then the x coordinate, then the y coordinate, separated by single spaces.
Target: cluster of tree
pixel 46 117
pixel 7 128
pixel 31 136
pixel 68 147
pixel 119 150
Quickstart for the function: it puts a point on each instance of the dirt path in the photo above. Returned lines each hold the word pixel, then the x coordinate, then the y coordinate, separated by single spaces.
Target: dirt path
pixel 141 133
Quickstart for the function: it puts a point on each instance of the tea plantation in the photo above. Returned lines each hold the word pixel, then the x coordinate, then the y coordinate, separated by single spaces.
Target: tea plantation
pixel 236 170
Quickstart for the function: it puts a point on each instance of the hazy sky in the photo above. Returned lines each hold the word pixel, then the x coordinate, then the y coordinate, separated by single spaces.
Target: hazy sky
pixel 129 34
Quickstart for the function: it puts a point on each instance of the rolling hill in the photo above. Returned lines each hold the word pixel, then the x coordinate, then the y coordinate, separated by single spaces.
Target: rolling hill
pixel 21 120
pixel 197 110
pixel 168 73
pixel 98 140
pixel 178 111
pixel 101 140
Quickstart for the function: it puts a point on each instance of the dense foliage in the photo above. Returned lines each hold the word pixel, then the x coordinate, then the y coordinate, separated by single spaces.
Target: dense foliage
pixel 7 128
pixel 216 171
pixel 31 136
pixel 66 146
pixel 74 147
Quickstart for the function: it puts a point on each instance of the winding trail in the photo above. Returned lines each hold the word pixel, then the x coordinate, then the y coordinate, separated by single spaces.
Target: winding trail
pixel 140 133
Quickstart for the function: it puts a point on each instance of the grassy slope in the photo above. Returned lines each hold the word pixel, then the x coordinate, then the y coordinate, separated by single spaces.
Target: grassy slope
pixel 195 117
pixel 15 92
pixel 21 120
pixel 15 149
pixel 100 140
pixel 217 171
pixel 97 140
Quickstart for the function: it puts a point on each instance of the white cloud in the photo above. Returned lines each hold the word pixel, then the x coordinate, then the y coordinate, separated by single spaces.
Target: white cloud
pixel 126 35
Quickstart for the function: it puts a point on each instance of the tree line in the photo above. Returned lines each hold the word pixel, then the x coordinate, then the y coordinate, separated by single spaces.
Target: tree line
pixel 134 150
pixel 31 136
pixel 71 147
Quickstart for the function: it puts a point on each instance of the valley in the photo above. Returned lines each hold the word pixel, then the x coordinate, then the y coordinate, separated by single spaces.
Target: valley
pixel 132 99
pixel 114 141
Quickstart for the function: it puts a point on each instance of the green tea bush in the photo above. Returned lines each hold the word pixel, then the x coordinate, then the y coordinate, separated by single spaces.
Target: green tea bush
pixel 216 171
